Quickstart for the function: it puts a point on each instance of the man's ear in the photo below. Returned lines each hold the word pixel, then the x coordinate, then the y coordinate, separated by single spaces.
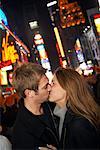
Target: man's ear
pixel 29 93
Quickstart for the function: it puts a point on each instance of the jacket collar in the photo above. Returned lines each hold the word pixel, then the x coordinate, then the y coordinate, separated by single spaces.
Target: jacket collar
pixel 69 116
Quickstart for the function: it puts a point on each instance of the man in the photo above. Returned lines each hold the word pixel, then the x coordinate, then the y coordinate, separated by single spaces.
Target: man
pixel 34 126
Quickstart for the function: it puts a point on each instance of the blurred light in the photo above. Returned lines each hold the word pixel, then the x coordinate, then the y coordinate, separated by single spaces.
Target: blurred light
pixel 49 75
pixel 57 9
pixel 64 17
pixel 40 47
pixel 97 23
pixel 64 63
pixel 99 2
pixel 88 27
pixel 33 24
pixel 3 19
pixel 3 78
pixel 88 72
pixel 73 13
pixel 83 66
pixel 39 41
pixel 7 68
pixel 51 3
pixel 59 41
pixel 37 37
pixel 69 51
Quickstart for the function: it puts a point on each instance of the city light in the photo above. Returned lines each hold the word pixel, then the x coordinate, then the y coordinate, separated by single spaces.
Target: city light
pixel 99 4
pixel 38 40
pixel 51 3
pixel 64 63
pixel 59 41
pixel 33 24
pixel 2 19
pixel 70 14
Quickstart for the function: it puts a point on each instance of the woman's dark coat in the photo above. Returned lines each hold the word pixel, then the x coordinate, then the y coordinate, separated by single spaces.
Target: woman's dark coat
pixel 78 133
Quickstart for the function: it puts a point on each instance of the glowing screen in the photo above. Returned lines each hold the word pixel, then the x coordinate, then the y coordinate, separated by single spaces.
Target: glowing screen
pixel 3 18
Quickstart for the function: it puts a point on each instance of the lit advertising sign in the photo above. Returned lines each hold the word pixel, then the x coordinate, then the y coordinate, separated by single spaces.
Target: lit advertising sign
pixel 3 19
pixel 97 22
pixel 3 77
pixel 38 40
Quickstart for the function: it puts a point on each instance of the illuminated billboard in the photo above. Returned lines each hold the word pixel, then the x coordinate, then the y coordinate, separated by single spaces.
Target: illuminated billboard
pixel 97 23
pixel 3 18
pixel 38 40
pixel 3 78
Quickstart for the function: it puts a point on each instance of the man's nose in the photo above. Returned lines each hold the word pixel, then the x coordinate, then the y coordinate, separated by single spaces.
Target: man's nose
pixel 49 87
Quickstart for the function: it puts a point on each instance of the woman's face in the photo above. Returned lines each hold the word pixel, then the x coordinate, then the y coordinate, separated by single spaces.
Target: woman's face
pixel 57 93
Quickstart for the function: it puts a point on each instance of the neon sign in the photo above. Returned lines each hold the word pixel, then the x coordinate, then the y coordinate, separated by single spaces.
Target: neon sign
pixel 3 19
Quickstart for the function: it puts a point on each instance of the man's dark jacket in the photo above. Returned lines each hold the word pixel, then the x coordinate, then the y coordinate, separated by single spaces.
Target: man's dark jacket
pixel 32 131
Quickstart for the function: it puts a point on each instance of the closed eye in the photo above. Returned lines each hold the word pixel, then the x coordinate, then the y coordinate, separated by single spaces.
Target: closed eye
pixel 46 86
pixel 52 83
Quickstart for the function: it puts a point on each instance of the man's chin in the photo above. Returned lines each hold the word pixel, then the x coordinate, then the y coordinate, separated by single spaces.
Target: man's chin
pixel 47 100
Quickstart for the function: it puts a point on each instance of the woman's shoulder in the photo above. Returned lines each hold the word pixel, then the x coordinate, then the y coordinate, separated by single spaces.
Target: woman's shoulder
pixel 79 122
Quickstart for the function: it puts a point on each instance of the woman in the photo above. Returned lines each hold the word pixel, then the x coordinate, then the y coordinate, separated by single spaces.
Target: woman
pixel 78 112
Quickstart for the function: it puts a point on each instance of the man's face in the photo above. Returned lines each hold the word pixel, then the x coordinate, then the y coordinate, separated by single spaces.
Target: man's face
pixel 43 89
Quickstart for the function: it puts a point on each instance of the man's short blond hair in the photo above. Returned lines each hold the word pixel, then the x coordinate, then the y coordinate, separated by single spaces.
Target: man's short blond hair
pixel 27 76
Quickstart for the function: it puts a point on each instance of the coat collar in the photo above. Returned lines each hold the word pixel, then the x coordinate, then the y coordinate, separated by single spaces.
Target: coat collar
pixel 69 116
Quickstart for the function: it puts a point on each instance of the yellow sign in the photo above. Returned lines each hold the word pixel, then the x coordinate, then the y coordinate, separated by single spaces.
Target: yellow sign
pixel 9 52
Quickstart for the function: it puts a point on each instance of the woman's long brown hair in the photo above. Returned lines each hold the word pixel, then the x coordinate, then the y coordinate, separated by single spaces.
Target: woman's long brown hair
pixel 80 99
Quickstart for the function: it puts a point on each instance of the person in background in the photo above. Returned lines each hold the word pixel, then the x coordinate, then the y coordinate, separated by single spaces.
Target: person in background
pixel 5 144
pixel 34 126
pixel 8 110
pixel 79 115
